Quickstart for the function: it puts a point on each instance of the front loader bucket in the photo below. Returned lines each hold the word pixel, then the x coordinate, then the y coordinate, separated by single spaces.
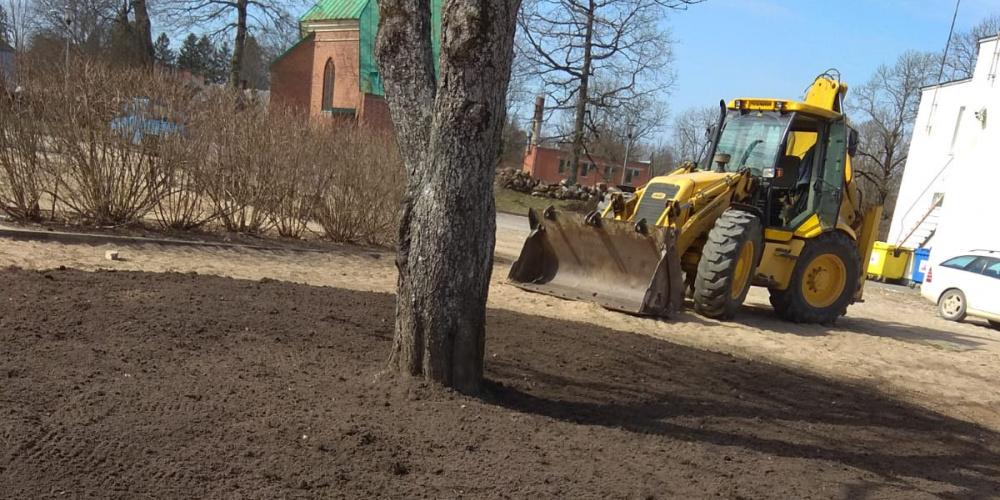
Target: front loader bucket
pixel 620 265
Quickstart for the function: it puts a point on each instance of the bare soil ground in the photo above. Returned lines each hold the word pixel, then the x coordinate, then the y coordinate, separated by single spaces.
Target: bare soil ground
pixel 894 342
pixel 138 385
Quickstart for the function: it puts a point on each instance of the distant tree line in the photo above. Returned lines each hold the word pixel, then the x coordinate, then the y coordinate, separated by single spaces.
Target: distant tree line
pixel 230 41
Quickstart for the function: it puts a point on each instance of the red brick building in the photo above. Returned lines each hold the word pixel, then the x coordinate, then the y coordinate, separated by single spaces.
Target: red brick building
pixel 331 71
pixel 553 165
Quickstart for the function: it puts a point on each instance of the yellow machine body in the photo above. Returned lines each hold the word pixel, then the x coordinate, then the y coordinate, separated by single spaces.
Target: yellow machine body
pixel 635 254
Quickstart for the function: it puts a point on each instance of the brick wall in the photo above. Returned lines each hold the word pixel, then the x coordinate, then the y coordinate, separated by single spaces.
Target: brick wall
pixel 297 78
pixel 343 48
pixel 291 77
pixel 375 113
pixel 544 164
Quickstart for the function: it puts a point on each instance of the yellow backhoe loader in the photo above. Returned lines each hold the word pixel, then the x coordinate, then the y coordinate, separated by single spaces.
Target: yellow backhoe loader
pixel 773 203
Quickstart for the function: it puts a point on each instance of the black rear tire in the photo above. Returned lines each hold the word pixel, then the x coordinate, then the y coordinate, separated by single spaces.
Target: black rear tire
pixel 728 264
pixel 994 324
pixel 800 303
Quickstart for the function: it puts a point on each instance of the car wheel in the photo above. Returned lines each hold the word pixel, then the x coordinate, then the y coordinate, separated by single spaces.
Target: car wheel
pixel 995 324
pixel 952 305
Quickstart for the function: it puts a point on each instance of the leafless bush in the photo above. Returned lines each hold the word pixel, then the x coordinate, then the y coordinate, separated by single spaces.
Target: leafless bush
pixel 302 153
pixel 184 206
pixel 365 188
pixel 241 166
pixel 22 158
pixel 106 170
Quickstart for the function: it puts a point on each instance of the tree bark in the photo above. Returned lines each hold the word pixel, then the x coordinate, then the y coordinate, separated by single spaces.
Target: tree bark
pixel 448 131
pixel 239 46
pixel 582 96
pixel 143 33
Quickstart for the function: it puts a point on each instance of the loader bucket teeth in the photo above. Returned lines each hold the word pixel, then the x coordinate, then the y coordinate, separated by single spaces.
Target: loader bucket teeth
pixel 609 263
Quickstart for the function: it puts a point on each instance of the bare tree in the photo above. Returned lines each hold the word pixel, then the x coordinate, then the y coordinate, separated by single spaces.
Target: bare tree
pixel 4 23
pixel 689 132
pixel 238 17
pixel 568 44
pixel 142 31
pixel 889 102
pixel 961 59
pixel 611 132
pixel 18 23
pixel 131 41
pixel 448 129
pixel 90 26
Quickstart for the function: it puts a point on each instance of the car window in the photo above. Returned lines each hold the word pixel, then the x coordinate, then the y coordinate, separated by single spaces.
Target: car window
pixel 959 262
pixel 992 268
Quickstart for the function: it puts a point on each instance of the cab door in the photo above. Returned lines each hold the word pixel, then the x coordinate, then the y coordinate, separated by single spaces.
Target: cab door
pixel 828 185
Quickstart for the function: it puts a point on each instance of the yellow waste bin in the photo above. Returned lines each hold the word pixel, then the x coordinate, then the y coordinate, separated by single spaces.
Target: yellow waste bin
pixel 888 262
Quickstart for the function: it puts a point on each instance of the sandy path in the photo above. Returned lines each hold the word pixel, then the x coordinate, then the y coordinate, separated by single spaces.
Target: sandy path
pixel 893 342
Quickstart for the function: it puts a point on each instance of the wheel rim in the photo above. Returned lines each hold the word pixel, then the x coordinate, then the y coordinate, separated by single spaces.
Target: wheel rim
pixel 742 272
pixel 824 280
pixel 952 304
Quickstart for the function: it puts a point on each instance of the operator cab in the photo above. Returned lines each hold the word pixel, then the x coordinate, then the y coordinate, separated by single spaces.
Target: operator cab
pixel 796 151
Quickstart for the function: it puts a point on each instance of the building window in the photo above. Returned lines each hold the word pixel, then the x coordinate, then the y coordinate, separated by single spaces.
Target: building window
pixel 329 73
pixel 585 168
pixel 631 174
pixel 562 166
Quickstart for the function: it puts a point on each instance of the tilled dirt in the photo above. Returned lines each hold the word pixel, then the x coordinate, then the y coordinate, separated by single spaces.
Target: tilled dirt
pixel 134 385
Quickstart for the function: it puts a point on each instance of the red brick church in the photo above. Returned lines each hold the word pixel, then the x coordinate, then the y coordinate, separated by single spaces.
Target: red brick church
pixel 331 71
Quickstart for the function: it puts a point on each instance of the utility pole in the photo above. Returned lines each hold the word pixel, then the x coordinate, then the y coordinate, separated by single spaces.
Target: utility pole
pixel 628 144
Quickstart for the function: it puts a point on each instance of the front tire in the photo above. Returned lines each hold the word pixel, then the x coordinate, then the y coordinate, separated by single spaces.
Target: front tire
pixel 826 276
pixel 728 263
pixel 952 305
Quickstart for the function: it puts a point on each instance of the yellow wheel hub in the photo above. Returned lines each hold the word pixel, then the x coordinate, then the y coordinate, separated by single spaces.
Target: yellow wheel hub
pixel 742 272
pixel 824 280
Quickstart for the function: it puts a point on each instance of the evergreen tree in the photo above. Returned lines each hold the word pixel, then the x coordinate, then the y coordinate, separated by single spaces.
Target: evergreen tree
pixel 219 72
pixel 197 55
pixel 162 51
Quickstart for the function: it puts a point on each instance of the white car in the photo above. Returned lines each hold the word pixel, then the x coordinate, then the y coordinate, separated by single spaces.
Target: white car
pixel 966 285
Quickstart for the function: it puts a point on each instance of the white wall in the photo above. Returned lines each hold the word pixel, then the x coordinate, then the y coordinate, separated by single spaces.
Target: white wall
pixel 970 215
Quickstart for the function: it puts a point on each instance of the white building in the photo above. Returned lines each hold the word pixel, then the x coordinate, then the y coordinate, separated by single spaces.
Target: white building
pixel 949 200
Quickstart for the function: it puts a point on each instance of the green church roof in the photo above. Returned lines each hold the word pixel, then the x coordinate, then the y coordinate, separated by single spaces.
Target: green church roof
pixel 325 10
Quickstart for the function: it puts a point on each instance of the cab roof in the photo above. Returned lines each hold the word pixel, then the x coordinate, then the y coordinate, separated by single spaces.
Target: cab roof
pixel 763 104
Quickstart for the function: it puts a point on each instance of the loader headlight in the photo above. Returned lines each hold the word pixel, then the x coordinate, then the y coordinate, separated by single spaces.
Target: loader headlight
pixel 768 173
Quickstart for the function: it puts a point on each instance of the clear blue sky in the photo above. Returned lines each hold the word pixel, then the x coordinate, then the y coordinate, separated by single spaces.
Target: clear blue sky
pixel 774 48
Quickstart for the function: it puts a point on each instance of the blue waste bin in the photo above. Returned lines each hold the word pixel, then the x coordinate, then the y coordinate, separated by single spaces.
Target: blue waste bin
pixel 920 256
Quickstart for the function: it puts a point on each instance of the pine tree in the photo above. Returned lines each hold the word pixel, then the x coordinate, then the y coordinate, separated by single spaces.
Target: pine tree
pixel 188 58
pixel 220 60
pixel 197 55
pixel 162 51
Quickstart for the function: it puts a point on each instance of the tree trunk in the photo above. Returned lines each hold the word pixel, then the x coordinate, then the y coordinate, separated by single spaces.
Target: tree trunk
pixel 582 96
pixel 448 133
pixel 239 47
pixel 143 33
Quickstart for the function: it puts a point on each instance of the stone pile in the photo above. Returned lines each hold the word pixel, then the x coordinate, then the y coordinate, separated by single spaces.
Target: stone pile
pixel 516 180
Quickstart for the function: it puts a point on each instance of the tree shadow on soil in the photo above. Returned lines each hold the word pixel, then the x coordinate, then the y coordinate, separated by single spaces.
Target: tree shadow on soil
pixel 589 375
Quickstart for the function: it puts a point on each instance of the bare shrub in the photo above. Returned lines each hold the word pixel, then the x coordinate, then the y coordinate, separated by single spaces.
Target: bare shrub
pixel 303 149
pixel 22 158
pixel 184 206
pixel 106 169
pixel 241 166
pixel 364 190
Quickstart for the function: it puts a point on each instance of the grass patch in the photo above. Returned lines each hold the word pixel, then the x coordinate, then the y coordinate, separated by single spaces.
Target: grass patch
pixel 517 203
